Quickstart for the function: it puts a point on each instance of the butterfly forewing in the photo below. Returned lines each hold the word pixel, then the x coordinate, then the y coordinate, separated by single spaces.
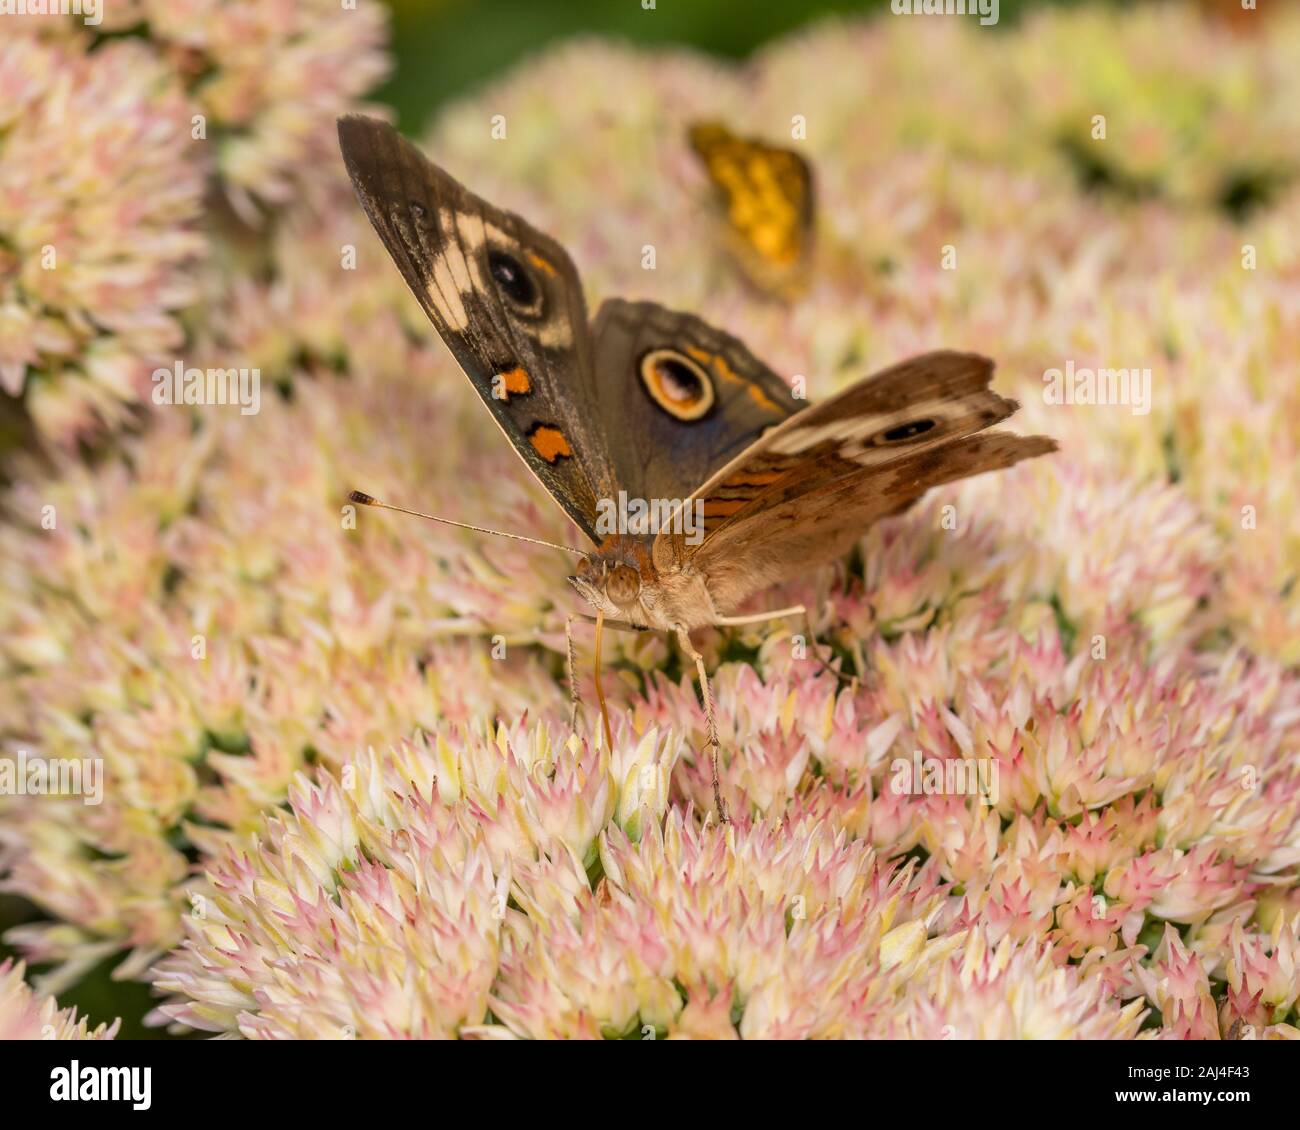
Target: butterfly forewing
pixel 803 529
pixel 505 298
pixel 806 489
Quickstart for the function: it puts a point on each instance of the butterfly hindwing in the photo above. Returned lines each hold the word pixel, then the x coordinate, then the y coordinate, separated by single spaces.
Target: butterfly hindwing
pixel 505 298
pixel 678 399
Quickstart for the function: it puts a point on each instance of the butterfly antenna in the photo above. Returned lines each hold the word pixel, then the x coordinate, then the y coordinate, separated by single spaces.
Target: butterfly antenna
pixel 362 499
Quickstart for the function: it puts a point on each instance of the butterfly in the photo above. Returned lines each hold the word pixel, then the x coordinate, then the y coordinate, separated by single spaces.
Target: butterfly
pixel 695 474
pixel 768 195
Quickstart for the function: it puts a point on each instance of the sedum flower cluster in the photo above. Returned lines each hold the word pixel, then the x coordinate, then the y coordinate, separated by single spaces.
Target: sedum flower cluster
pixel 25 1016
pixel 127 161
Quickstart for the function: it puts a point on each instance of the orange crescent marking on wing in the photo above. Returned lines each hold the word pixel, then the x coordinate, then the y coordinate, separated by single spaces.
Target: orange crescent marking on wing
pixel 724 370
pixel 717 363
pixel 762 399
pixel 721 507
pixel 761 479
pixel 727 373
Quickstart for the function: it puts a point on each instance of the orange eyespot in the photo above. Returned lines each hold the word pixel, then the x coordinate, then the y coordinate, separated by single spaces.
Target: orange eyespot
pixel 542 264
pixel 677 383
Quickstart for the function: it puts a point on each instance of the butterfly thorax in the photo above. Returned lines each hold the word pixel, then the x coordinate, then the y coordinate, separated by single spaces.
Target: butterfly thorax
pixel 620 579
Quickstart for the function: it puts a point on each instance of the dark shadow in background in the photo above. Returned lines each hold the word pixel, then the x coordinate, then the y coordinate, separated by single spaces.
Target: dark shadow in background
pixel 445 48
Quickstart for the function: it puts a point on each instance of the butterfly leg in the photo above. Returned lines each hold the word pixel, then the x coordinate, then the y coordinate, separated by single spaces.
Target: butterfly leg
pixel 793 610
pixel 759 617
pixel 710 720
pixel 848 680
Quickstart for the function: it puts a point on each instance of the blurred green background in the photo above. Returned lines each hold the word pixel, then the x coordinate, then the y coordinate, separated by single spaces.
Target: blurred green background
pixel 449 47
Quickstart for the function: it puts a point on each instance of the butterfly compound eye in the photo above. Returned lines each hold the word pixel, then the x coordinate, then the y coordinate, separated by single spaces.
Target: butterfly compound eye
pixel 514 281
pixel 624 585
pixel 677 383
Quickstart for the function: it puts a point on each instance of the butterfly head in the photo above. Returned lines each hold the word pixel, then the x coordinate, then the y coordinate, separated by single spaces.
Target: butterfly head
pixel 611 583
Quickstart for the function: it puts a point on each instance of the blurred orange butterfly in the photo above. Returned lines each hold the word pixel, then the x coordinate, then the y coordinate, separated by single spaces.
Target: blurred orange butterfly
pixel 768 195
